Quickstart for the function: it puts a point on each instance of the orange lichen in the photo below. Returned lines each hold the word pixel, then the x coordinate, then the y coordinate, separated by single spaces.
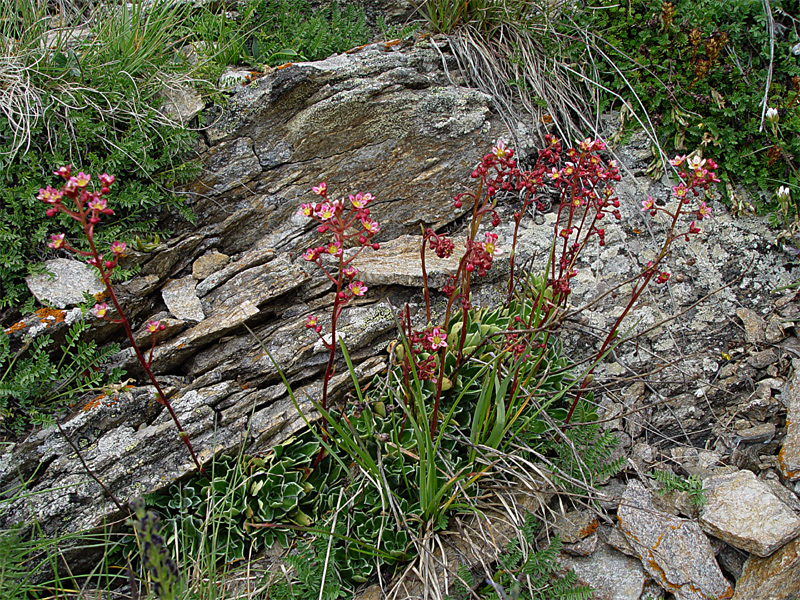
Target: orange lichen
pixel 93 403
pixel 283 66
pixel 588 530
pixel 100 296
pixel 388 45
pixel 51 315
pixel 356 49
pixel 15 327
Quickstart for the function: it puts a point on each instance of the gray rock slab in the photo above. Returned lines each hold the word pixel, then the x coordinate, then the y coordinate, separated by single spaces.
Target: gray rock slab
pixel 611 574
pixel 789 456
pixel 176 350
pixel 258 284
pixel 674 552
pixel 229 165
pixel 776 577
pixel 70 281
pixel 575 525
pixel 398 262
pixel 742 511
pixel 208 264
pixel 252 258
pixel 181 299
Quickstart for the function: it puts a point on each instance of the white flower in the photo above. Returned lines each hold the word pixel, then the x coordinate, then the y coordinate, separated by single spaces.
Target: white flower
pixel 772 115
pixel 784 194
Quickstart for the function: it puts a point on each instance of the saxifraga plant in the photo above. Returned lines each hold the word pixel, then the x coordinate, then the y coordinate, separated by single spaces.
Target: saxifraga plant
pixel 88 206
pixel 479 381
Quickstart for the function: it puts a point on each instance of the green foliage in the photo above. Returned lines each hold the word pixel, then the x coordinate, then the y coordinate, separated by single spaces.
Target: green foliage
pixel 525 574
pixel 289 30
pixel 693 486
pixel 92 103
pixel 306 579
pixel 589 456
pixel 34 383
pixel 224 515
pixel 698 70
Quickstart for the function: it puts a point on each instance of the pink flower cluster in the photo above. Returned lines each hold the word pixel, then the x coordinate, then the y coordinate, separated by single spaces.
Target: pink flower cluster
pixel 88 206
pixel 75 188
pixel 347 220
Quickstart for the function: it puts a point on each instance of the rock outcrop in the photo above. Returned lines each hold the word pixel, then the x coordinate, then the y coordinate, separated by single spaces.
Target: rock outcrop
pixel 386 119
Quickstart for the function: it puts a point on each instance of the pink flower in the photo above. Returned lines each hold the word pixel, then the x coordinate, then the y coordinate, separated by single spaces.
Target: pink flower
pixel 118 247
pixel 703 211
pixel 663 277
pixel 82 179
pixel 56 241
pixel 693 228
pixel 677 161
pixel 437 339
pixel 49 195
pixel 320 189
pixel 70 187
pixel 361 200
pixel 490 245
pixel 311 322
pixel 106 180
pixel 100 310
pixel 499 149
pixel 680 190
pixel 97 204
pixel 648 204
pixel 64 171
pixel 310 254
pixel 554 173
pixel 370 226
pixel 358 288
pixel 350 272
pixel 334 248
pixel 306 210
pixel 326 212
pixel 153 326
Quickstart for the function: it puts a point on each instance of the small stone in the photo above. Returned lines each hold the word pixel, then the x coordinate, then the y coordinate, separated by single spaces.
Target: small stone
pixel 584 547
pixel 610 494
pixel 774 333
pixel 611 574
pixel 181 300
pixel 674 552
pixel 742 511
pixel 776 577
pixel 761 433
pixel 181 103
pixel 761 360
pixel 616 539
pixel 208 264
pixel 644 452
pixel 753 326
pixel 72 280
pixel 789 456
pixel 575 526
